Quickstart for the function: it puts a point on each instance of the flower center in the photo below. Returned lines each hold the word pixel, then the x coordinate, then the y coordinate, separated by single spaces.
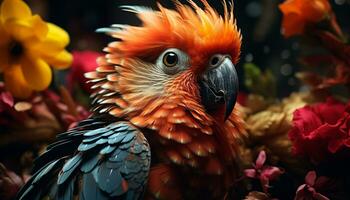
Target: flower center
pixel 16 49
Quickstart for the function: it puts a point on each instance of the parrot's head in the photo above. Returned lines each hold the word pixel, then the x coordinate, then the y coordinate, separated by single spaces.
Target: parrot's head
pixel 184 56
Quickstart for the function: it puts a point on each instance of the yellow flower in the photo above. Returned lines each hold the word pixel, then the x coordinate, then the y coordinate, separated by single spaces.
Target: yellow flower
pixel 28 45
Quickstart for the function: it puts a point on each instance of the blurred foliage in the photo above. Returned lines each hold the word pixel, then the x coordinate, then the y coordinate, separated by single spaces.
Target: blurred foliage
pixel 260 82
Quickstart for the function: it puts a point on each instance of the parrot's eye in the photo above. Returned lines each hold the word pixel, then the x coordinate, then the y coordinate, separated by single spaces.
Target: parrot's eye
pixel 173 61
pixel 170 59
pixel 216 60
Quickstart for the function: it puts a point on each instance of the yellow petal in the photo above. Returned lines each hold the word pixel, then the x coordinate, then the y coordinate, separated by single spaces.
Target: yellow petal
pixel 36 72
pixel 57 36
pixel 54 43
pixel 15 82
pixel 4 58
pixel 62 60
pixel 4 45
pixel 14 9
pixel 5 37
pixel 33 29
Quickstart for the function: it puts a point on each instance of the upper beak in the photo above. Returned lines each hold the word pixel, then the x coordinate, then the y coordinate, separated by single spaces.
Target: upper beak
pixel 219 87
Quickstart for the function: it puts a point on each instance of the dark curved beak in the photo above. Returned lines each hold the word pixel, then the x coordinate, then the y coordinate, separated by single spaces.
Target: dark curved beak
pixel 219 88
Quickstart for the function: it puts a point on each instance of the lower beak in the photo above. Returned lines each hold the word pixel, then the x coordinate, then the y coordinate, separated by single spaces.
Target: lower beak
pixel 219 88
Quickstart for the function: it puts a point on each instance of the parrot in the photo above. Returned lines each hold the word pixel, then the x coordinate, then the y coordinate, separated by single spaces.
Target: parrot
pixel 164 122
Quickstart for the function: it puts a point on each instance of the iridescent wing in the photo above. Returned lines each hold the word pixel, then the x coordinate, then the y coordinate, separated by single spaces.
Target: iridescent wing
pixel 108 162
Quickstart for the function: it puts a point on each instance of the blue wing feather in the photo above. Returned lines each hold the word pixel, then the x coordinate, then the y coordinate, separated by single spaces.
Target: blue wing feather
pixel 69 168
pixel 110 160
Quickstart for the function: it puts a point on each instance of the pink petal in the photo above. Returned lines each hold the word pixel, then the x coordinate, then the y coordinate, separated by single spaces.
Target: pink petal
pixel 322 182
pixel 251 173
pixel 260 160
pixel 319 196
pixel 26 178
pixel 300 193
pixel 301 188
pixel 264 183
pixel 7 98
pixel 271 172
pixel 310 178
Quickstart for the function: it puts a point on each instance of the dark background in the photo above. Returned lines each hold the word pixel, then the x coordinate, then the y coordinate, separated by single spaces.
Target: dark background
pixel 259 21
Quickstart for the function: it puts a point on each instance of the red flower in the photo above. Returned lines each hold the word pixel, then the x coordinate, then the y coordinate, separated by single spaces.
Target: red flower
pixel 83 62
pixel 321 130
pixel 308 191
pixel 263 172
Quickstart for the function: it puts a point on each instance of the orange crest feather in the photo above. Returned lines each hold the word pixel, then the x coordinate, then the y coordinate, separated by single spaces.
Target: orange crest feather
pixel 195 30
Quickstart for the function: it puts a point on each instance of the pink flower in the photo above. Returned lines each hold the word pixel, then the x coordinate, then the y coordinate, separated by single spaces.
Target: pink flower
pixel 83 62
pixel 321 130
pixel 263 172
pixel 66 110
pixel 10 183
pixel 6 101
pixel 308 191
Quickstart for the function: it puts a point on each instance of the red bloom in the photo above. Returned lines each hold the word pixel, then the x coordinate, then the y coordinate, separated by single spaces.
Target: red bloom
pixel 83 62
pixel 321 130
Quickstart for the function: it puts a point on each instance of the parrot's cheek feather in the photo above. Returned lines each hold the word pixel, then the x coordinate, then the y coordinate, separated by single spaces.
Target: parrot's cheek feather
pixel 219 89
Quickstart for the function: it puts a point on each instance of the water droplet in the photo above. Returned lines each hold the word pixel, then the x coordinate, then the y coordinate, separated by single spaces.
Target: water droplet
pixel 253 9
pixel 249 57
pixel 266 49
pixel 292 81
pixel 304 88
pixel 286 70
pixel 340 2
pixel 295 46
pixel 285 54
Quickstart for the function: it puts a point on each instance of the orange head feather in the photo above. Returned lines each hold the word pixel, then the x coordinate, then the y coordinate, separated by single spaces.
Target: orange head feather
pixel 198 32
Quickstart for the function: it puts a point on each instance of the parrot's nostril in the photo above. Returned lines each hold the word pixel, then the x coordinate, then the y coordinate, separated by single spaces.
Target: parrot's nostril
pixel 221 93
pixel 220 97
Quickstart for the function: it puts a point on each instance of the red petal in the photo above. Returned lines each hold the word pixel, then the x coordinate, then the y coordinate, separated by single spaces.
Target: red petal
pixel 335 144
pixel 330 111
pixel 306 120
pixel 347 142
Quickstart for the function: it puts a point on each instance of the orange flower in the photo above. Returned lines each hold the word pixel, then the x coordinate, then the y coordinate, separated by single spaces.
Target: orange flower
pixel 298 13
